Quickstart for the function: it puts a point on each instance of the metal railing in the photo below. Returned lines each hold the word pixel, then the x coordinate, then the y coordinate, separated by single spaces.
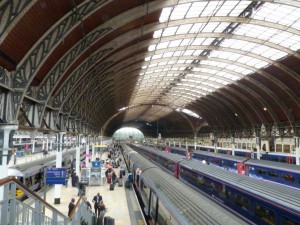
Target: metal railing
pixel 15 212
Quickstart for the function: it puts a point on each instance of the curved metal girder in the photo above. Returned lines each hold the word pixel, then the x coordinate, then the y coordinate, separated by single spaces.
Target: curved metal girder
pixel 75 81
pixel 57 73
pixel 10 13
pixel 84 87
pixel 83 97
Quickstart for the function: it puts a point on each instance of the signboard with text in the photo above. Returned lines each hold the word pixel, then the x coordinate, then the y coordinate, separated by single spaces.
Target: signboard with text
pixel 56 176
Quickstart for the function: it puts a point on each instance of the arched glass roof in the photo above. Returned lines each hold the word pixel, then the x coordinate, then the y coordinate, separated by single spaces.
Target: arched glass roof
pixel 206 45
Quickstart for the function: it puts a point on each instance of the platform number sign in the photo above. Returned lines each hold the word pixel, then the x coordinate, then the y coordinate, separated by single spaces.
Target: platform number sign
pixel 56 175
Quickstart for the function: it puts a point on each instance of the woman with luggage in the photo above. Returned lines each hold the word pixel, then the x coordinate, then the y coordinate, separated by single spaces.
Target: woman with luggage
pixel 102 213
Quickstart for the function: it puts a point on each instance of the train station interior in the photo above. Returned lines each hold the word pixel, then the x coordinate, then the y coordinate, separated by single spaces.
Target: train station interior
pixel 214 82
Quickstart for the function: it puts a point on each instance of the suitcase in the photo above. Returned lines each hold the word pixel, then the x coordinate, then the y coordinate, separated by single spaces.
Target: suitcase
pixel 98 221
pixel 120 182
pixel 111 187
pixel 127 184
pixel 109 220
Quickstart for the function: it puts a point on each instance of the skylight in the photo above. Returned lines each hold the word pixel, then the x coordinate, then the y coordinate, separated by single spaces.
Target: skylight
pixel 201 46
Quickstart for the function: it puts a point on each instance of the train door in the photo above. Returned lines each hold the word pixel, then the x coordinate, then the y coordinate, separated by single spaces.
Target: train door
pixel 289 160
pixel 241 168
pixel 159 213
pixel 153 207
pixel 176 170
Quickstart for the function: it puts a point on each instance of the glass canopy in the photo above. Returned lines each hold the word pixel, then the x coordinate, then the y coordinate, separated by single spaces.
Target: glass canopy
pixel 206 45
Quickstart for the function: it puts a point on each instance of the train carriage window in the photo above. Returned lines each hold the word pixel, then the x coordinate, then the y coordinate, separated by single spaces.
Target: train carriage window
pixel 278 148
pixel 249 146
pixel 286 148
pixel 288 221
pixel 265 214
pixel 241 201
pixel 244 146
pixel 225 194
pixel 288 177
pixel 239 145
pixel 273 174
pixel 260 171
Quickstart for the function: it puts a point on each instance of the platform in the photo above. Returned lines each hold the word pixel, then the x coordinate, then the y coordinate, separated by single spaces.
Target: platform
pixel 121 203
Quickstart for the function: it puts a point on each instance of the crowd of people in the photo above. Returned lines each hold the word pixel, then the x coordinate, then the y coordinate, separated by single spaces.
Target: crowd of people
pixel 111 177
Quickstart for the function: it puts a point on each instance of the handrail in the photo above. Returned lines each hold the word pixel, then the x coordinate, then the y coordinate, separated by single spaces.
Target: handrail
pixel 12 179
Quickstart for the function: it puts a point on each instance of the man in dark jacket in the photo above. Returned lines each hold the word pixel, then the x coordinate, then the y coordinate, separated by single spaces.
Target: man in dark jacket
pixel 71 206
pixel 97 198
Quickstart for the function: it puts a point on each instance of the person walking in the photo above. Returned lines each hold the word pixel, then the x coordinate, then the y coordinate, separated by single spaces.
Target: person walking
pixel 71 206
pixel 96 200
pixel 102 210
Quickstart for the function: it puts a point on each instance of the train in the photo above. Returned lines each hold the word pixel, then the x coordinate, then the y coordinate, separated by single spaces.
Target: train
pixel 262 202
pixel 264 155
pixel 286 174
pixel 32 174
pixel 167 201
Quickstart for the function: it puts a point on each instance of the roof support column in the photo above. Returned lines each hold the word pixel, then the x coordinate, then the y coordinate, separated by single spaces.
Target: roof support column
pixel 258 140
pixel 6 137
pixel 57 190
pixel 87 150
pixel 297 148
pixel 195 140
pixel 232 142
pixel 77 154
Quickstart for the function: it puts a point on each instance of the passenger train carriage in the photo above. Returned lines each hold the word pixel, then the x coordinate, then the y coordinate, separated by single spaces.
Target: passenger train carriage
pixel 269 156
pixel 165 200
pixel 32 174
pixel 286 174
pixel 260 201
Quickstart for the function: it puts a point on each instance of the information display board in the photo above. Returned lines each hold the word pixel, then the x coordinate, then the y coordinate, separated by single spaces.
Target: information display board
pixel 96 164
pixel 56 176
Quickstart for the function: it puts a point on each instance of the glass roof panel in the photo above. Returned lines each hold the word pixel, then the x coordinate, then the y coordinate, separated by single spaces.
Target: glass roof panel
pixel 196 9
pixel 180 11
pixel 169 31
pixel 184 29
pixel 194 68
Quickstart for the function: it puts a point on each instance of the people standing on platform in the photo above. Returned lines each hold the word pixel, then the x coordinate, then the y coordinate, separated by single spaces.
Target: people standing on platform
pixel 114 177
pixel 75 180
pixel 83 165
pixel 102 210
pixel 72 165
pixel 108 174
pixel 71 206
pixel 122 172
pixel 45 152
pixel 96 200
pixel 81 189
